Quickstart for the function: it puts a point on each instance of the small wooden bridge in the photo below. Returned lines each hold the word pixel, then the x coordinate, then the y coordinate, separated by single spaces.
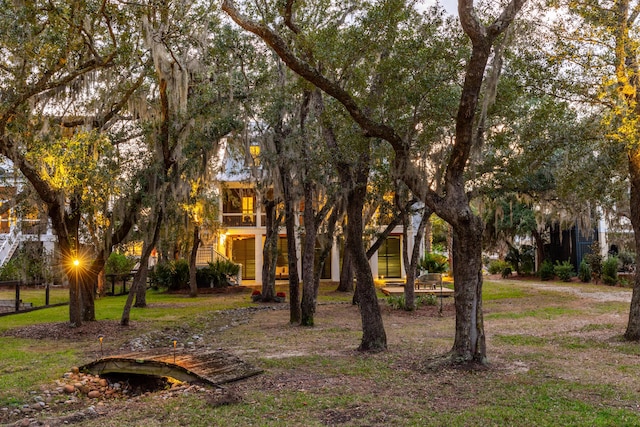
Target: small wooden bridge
pixel 214 367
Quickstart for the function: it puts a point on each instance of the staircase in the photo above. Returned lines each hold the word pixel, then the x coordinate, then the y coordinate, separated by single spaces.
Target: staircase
pixel 207 254
pixel 10 245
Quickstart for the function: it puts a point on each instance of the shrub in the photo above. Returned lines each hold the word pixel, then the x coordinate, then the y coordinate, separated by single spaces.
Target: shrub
pixel 564 271
pixel 397 301
pixel 208 277
pixel 594 259
pixel 161 274
pixel 546 270
pixel 610 271
pixel 29 264
pixel 627 261
pixel 527 259
pixel 180 278
pixel 521 259
pixel 506 272
pixel 434 263
pixel 119 263
pixel 217 274
pixel 173 275
pixel 584 272
pixel 426 300
pixel 498 266
pixel 10 271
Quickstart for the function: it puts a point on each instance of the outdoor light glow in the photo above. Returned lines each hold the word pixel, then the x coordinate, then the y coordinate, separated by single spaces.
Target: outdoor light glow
pixel 100 338
pixel 76 262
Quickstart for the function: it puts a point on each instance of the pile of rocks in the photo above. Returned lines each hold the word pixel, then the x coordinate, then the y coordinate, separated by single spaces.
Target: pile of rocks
pixel 76 384
pixel 85 394
pixel 69 391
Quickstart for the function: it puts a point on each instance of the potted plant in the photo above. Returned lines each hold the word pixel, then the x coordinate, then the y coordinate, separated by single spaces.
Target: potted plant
pixel 256 296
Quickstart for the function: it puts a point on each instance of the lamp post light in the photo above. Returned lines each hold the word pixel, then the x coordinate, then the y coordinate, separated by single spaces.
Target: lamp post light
pixel 100 338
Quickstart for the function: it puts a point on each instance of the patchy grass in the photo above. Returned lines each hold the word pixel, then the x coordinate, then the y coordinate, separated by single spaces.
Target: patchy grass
pixel 25 364
pixel 493 291
pixel 597 327
pixel 555 359
pixel 528 340
pixel 540 313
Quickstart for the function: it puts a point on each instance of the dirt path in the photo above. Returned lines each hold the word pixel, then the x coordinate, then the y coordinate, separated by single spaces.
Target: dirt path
pixel 611 294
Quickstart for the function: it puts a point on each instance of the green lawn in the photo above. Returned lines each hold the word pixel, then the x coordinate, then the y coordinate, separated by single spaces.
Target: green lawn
pixel 554 360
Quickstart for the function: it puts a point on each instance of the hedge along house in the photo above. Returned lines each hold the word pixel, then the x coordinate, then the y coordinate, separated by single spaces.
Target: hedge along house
pixel 242 230
pixel 611 233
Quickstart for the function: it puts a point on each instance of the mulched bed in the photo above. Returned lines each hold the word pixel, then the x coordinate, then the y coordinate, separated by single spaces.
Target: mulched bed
pixel 62 330
pixel 209 291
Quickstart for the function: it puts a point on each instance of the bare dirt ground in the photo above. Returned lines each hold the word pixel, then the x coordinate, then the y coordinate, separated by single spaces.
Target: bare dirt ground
pixel 573 331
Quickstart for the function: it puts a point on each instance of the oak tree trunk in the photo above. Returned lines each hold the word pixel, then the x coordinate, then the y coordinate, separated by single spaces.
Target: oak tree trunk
pixel 193 285
pixel 292 247
pixel 308 306
pixel 270 252
pixel 469 344
pixel 87 283
pixel 633 326
pixel 139 288
pixel 374 337
pixel 346 273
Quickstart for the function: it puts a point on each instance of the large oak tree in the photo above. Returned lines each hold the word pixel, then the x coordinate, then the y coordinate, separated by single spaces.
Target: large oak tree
pixel 452 203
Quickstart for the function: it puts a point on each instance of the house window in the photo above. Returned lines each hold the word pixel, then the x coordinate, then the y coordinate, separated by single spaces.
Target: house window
pixel 254 150
pixel 243 251
pixel 389 258
pixel 238 207
pixel 282 261
pixel 247 210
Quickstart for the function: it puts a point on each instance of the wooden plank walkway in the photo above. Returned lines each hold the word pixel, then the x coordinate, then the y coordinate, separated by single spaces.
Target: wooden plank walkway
pixel 214 367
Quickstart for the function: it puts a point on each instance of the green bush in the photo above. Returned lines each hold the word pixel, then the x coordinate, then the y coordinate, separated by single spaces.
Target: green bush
pixel 564 271
pixel 521 259
pixel 610 271
pixel 584 272
pixel 627 261
pixel 173 275
pixel 181 275
pixel 546 270
pixel 119 263
pixel 594 259
pixel 498 266
pixel 161 274
pixel 397 301
pixel 29 264
pixel 426 300
pixel 208 278
pixel 434 263
pixel 10 271
pixel 217 274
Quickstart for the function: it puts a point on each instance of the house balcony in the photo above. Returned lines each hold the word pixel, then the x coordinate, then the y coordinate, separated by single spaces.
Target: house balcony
pixel 238 220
